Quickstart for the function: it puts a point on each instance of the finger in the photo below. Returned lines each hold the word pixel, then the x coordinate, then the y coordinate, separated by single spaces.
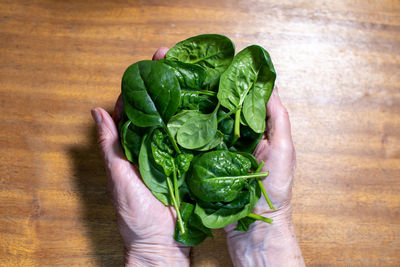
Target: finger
pixel 124 181
pixel 107 134
pixel 119 107
pixel 278 123
pixel 160 53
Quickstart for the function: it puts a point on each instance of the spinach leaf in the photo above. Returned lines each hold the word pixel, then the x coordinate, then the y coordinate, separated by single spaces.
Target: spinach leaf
pixel 150 92
pixel 219 175
pixel 202 100
pixel 198 131
pixel 179 119
pixel 239 202
pixel 253 160
pixel 244 224
pixel 182 162
pixel 218 139
pixel 195 231
pixel 152 176
pixel 248 140
pixel 220 217
pixel 189 75
pixel 131 141
pixel 248 84
pixel 162 152
pixel 213 52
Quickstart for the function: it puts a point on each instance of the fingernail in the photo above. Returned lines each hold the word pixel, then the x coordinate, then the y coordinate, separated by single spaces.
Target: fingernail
pixel 96 115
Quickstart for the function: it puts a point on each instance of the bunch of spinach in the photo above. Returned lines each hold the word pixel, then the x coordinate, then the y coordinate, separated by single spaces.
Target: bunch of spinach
pixel 191 122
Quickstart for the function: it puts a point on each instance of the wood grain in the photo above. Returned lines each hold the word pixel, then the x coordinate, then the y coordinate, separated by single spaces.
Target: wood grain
pixel 338 65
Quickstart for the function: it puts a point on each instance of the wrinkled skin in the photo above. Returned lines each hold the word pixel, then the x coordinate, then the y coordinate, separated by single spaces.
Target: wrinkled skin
pixel 263 244
pixel 146 225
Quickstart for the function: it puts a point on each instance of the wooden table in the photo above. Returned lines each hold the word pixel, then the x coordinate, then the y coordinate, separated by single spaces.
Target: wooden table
pixel 338 65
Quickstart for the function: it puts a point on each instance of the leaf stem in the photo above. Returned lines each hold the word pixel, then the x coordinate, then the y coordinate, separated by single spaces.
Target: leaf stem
pixel 260 184
pixel 237 125
pixel 202 92
pixel 260 218
pixel 178 213
pixel 260 166
pixel 172 139
pixel 248 176
pixel 176 189
pixel 227 115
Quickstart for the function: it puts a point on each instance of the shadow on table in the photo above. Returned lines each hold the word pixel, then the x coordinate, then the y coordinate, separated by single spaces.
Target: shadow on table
pixel 98 212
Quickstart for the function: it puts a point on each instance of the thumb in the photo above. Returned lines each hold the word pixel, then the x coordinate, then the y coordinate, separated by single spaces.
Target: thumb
pixel 278 123
pixel 107 134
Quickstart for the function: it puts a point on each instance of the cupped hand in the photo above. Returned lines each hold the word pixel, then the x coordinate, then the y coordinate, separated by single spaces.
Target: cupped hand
pixel 264 244
pixel 277 151
pixel 146 225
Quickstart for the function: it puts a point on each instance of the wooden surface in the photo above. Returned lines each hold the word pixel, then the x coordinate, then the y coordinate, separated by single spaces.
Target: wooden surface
pixel 338 65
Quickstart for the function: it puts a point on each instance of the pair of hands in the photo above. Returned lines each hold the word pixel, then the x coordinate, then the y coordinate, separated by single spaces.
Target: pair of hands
pixel 147 226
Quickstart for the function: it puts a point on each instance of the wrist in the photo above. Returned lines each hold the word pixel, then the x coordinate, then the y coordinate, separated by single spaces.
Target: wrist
pixel 266 244
pixel 145 254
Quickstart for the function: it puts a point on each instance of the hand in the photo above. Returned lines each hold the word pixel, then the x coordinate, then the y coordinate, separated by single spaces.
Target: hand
pixel 146 225
pixel 264 244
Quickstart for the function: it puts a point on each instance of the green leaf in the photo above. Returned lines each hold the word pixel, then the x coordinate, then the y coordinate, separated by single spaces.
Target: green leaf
pixel 162 152
pixel 131 141
pixel 218 175
pixel 248 140
pixel 182 161
pixel 150 92
pixel 244 224
pixel 154 163
pixel 195 231
pixel 200 100
pixel 253 160
pixel 189 75
pixel 217 140
pixel 179 119
pixel 198 131
pixel 152 176
pixel 220 217
pixel 213 52
pixel 248 83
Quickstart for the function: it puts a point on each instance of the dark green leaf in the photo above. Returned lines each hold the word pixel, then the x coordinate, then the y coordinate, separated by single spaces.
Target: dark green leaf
pixel 220 217
pixel 150 92
pixel 217 140
pixel 182 162
pixel 218 175
pixel 211 51
pixel 195 231
pixel 198 131
pixel 248 82
pixel 131 141
pixel 152 176
pixel 153 173
pixel 197 100
pixel 248 140
pixel 253 160
pixel 244 224
pixel 189 75
pixel 162 151
pixel 176 122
